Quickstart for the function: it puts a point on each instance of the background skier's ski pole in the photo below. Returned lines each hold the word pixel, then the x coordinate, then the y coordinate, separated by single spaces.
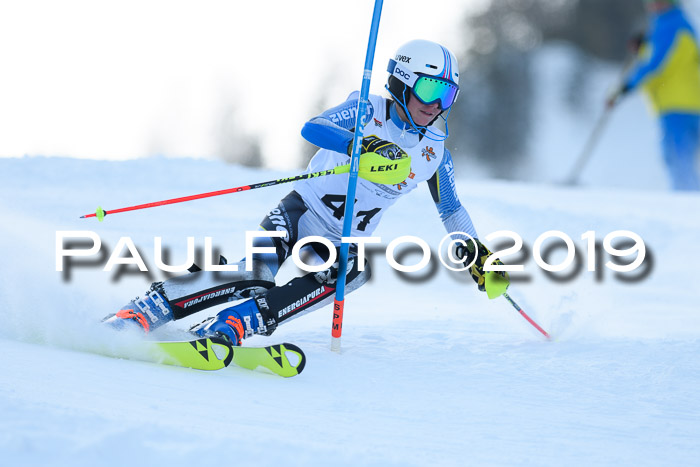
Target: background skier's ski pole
pixel 529 320
pixel 601 123
pixel 585 154
pixel 339 302
pixel 372 167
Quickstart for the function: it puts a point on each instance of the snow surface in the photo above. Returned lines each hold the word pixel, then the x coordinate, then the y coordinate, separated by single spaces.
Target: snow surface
pixel 431 371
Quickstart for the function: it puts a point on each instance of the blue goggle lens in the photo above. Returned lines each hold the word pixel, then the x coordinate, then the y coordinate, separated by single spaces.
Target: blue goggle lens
pixel 429 90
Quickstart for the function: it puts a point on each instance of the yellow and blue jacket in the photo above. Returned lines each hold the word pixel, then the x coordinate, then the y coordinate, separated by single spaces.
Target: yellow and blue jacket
pixel 668 66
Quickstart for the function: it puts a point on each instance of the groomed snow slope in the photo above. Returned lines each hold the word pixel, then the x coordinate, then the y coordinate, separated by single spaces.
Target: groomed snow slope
pixel 431 372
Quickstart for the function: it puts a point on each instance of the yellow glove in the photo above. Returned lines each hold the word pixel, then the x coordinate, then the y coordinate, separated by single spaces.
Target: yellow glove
pixel 379 146
pixel 494 283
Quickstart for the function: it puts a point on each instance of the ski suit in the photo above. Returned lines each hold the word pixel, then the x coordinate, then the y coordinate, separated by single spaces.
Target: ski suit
pixel 316 206
pixel 669 73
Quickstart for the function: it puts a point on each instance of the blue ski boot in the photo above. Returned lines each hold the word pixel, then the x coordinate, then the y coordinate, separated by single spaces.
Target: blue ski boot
pixel 235 323
pixel 148 313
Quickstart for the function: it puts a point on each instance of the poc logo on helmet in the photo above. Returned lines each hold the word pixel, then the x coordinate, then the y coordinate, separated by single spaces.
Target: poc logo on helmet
pixel 403 58
pixel 402 74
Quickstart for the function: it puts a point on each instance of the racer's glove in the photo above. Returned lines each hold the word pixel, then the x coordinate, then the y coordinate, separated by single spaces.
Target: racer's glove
pixel 379 146
pixel 494 283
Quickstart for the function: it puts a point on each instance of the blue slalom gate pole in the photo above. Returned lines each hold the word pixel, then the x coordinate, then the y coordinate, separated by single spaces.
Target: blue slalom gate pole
pixel 339 302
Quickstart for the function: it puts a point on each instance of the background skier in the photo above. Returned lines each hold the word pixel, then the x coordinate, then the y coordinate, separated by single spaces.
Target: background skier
pixel 668 70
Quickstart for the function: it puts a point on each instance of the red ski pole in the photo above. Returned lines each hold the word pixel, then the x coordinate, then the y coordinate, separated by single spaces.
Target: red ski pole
pixel 373 167
pixel 101 213
pixel 529 320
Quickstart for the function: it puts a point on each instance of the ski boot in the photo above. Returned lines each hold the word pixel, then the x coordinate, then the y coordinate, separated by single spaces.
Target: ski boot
pixel 235 323
pixel 147 313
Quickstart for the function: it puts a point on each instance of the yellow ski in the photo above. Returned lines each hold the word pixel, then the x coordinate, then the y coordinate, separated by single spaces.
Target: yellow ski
pixel 213 354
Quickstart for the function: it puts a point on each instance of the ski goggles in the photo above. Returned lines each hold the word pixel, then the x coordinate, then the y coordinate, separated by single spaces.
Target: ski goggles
pixel 428 89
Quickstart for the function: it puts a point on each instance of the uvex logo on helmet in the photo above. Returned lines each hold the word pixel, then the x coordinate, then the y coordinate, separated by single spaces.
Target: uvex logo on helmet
pixel 403 58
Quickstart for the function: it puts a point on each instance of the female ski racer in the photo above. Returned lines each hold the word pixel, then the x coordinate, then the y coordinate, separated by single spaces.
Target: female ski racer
pixel 423 84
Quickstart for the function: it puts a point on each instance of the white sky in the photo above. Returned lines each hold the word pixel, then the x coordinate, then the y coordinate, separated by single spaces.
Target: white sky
pixel 125 79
